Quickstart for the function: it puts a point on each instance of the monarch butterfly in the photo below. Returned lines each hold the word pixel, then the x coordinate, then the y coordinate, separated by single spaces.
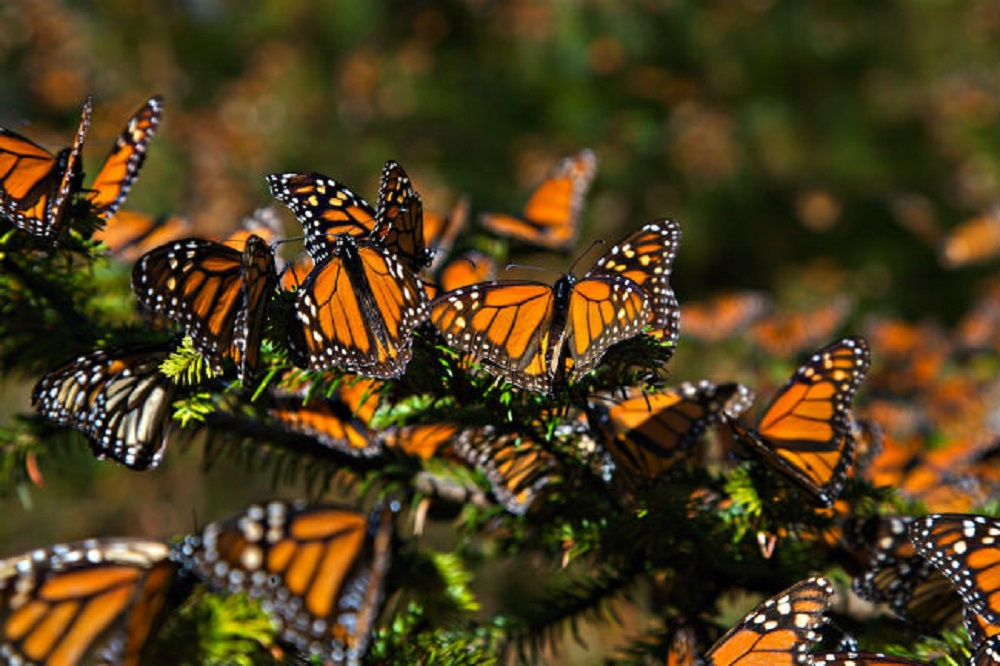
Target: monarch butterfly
pixel 340 422
pixel 551 217
pixel 723 315
pixel 94 601
pixel 895 574
pixel 360 304
pixel 217 293
pixel 648 433
pixel 784 334
pixel 317 570
pixel 327 208
pixel 440 232
pixel 862 659
pixel 117 397
pixel 780 631
pixel 122 165
pixel 131 234
pixel 516 467
pixel 35 185
pixel 805 432
pixel 964 548
pixel 524 330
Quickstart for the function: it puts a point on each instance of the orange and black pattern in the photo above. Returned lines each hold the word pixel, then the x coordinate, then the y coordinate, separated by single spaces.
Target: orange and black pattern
pixel 399 218
pixel 35 185
pixel 318 570
pixel 130 234
pixel 805 433
pixel 122 165
pixel 95 601
pixel 216 293
pixel 117 398
pixel 779 632
pixel 516 467
pixel 551 217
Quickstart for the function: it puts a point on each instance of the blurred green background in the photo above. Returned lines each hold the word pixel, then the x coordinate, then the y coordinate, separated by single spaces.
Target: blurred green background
pixel 806 148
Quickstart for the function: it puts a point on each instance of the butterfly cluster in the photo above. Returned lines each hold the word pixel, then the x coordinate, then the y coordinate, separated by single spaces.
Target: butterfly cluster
pixel 390 346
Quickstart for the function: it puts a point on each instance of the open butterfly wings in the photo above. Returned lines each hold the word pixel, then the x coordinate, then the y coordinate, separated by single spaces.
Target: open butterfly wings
pixel 805 433
pixel 779 632
pixel 119 400
pixel 216 293
pixel 35 185
pixel 551 217
pixel 94 601
pixel 122 165
pixel 332 560
pixel 966 549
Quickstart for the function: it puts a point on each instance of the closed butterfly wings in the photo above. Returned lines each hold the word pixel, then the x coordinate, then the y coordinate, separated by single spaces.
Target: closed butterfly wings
pixel 551 217
pixel 779 632
pixel 805 432
pixel 218 294
pixel 122 165
pixel 94 601
pixel 318 571
pixel 119 400
pixel 35 185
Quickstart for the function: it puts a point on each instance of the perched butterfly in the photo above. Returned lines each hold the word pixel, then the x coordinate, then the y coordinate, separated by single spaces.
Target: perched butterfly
pixel 551 217
pixel 327 208
pixel 965 548
pixel 779 632
pixel 340 422
pixel 862 659
pixel 784 334
pixel 318 571
pixel 88 602
pixel 360 303
pixel 805 433
pixel 895 574
pixel 722 316
pixel 466 270
pixel 516 467
pixel 217 293
pixel 35 185
pixel 129 235
pixel 533 334
pixel 122 165
pixel 117 397
pixel 440 232
pixel 648 433
pixel 985 639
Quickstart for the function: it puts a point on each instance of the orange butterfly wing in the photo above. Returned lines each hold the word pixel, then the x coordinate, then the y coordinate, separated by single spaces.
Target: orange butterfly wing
pixel 122 165
pixel 722 316
pixel 318 570
pixel 357 311
pixel 779 632
pixel 83 602
pixel 35 185
pixel 466 270
pixel 516 467
pixel 399 221
pixel 551 217
pixel 131 234
pixel 805 433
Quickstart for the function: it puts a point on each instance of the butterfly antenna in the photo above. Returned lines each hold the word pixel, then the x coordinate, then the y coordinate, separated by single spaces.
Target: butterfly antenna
pixel 511 265
pixel 590 248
